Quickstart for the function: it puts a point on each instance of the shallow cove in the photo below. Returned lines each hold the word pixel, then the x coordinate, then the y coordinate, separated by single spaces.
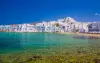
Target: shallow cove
pixel 48 48
pixel 40 42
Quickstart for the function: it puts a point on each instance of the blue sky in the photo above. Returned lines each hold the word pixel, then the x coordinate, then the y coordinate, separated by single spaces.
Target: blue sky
pixel 27 11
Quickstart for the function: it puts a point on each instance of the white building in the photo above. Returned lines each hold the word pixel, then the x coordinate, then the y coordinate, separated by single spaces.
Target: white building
pixel 28 28
pixel 62 25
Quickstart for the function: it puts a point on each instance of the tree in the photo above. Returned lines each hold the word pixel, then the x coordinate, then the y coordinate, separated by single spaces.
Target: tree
pixel 57 25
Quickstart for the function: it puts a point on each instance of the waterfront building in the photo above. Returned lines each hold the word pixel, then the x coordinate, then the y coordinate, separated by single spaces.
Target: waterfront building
pixel 40 27
pixel 28 28
pixel 61 25
pixel 94 27
pixel 1 27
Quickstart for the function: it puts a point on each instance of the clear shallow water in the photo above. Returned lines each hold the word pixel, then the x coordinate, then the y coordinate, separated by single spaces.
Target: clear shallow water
pixel 31 42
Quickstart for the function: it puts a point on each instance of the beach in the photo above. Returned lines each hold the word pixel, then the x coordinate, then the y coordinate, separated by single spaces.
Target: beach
pixel 84 34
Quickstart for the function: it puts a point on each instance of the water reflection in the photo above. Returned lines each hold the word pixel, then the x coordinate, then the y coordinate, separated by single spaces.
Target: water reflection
pixel 85 37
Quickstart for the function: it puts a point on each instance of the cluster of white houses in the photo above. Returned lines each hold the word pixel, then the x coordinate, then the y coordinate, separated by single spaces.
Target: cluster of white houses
pixel 62 25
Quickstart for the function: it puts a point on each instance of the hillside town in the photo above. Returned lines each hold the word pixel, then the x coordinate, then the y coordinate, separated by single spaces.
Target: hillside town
pixel 61 25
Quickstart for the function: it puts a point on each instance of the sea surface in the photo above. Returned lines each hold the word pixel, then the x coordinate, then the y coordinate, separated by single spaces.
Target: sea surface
pixel 46 42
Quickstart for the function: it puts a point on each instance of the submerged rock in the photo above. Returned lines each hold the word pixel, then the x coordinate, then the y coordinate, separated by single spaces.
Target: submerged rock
pixel 34 58
pixel 96 60
pixel 29 59
pixel 98 53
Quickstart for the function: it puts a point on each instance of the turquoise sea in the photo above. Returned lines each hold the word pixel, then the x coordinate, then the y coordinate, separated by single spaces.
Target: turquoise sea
pixel 48 48
pixel 38 42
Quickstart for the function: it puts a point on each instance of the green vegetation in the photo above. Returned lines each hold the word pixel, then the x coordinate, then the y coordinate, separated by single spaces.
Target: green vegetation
pixel 57 24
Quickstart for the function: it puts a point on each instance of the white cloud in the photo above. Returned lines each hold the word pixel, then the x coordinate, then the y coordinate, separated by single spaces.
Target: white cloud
pixel 97 14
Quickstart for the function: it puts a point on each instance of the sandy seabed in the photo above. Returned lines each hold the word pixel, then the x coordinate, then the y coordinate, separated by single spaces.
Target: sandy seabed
pixel 73 54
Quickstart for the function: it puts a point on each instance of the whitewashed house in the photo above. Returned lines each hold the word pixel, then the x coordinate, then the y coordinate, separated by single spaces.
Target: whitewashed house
pixel 27 28
pixel 62 25
pixel 94 27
